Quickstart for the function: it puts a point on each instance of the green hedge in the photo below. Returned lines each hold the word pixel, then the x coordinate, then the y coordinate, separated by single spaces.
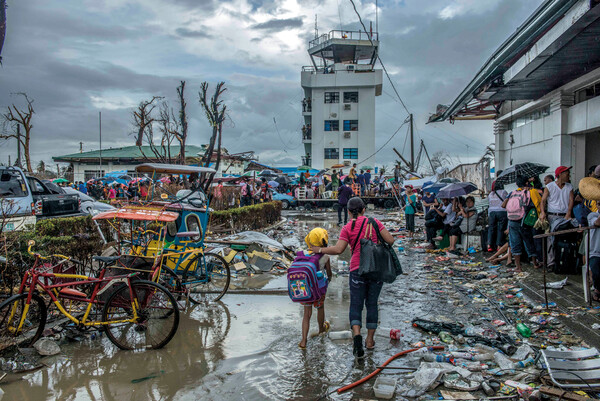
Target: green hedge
pixel 246 218
pixel 76 237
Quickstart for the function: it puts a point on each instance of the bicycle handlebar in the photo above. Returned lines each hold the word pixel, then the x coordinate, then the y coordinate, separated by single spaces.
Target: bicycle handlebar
pixel 31 244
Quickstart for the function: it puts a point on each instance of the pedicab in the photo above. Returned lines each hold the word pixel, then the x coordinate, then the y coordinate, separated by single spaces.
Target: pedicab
pixel 166 238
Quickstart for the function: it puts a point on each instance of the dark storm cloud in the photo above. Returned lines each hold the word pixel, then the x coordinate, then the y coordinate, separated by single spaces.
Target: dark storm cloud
pixel 67 58
pixel 193 33
pixel 276 25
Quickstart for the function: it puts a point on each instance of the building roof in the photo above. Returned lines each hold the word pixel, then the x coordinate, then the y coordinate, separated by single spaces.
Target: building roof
pixel 555 45
pixel 126 153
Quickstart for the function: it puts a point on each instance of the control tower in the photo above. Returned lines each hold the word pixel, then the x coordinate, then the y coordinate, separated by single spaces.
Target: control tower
pixel 339 99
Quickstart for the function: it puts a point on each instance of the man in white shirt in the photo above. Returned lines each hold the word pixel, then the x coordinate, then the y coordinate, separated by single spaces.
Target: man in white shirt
pixel 557 203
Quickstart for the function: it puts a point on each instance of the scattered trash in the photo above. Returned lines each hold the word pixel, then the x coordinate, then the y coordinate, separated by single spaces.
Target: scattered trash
pixel 46 346
pixel 384 387
pixel 557 284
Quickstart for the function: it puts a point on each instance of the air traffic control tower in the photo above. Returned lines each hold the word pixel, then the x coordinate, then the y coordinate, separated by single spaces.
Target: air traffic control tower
pixel 339 99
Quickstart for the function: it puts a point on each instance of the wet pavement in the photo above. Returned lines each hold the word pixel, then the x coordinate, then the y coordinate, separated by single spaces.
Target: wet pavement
pixel 245 347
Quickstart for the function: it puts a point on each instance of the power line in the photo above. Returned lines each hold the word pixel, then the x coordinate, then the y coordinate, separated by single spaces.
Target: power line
pixel 379 58
pixel 388 141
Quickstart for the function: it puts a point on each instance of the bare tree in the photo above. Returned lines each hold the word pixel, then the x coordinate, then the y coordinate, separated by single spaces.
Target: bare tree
pixel 13 119
pixel 215 114
pixel 144 122
pixel 2 25
pixel 183 123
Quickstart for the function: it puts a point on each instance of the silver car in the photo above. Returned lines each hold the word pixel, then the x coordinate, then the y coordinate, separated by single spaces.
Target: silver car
pixel 88 204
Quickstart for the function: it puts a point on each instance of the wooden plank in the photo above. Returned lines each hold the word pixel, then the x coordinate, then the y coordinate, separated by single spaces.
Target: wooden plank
pixel 561 394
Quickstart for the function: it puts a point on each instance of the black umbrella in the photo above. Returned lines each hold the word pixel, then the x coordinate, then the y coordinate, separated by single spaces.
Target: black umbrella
pixel 456 189
pixel 267 173
pixel 283 179
pixel 526 169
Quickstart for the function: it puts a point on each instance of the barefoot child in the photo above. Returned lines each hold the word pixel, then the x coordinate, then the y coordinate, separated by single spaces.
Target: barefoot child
pixel 317 237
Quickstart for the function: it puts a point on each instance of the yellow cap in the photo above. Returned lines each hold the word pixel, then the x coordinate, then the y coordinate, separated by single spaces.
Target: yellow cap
pixel 317 237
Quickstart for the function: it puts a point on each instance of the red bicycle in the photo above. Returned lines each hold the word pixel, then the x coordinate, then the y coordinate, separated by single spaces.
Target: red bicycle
pixel 135 314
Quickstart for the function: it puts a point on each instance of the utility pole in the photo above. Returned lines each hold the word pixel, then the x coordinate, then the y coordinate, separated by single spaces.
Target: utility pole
pixel 80 147
pixel 100 131
pixel 18 162
pixel 412 145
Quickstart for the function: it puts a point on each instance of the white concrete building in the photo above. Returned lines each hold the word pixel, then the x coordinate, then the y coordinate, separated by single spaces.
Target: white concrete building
pixel 339 104
pixel 542 88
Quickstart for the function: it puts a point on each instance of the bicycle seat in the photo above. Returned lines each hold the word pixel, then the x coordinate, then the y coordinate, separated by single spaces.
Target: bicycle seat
pixel 187 234
pixel 106 259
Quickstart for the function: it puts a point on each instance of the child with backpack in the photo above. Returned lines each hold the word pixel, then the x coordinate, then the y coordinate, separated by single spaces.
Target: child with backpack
pixel 308 285
pixel 520 207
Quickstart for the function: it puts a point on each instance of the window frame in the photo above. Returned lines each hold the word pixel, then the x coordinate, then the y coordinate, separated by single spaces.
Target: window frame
pixel 350 98
pixel 350 153
pixel 331 97
pixel 333 124
pixel 351 123
pixel 336 153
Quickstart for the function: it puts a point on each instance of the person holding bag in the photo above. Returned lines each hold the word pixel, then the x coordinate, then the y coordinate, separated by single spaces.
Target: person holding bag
pixel 364 291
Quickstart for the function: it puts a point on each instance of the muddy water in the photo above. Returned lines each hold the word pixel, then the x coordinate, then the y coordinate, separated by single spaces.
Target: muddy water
pixel 242 348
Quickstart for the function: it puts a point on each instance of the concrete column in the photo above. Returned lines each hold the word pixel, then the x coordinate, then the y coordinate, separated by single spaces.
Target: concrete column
pixel 499 158
pixel 562 142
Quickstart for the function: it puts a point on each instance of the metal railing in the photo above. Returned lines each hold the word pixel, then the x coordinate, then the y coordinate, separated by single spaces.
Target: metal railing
pixel 351 35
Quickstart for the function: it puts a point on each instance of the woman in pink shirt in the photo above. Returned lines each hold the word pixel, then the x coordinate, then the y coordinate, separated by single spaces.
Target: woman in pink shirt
pixel 363 292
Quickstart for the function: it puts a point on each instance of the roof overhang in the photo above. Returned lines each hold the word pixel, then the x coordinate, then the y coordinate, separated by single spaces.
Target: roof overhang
pixel 556 44
pixel 171 169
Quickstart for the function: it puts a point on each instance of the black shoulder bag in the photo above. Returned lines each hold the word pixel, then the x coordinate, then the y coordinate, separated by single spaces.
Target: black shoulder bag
pixel 378 261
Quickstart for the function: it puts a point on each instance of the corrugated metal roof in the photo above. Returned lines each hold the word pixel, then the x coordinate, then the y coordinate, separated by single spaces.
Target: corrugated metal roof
pixel 126 152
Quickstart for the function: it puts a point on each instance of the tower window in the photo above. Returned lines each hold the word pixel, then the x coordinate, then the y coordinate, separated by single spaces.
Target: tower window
pixel 350 97
pixel 332 97
pixel 332 125
pixel 350 125
pixel 332 153
pixel 350 153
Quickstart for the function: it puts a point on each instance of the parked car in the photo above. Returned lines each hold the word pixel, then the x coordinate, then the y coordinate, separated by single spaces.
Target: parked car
pixel 22 195
pixel 89 205
pixel 287 201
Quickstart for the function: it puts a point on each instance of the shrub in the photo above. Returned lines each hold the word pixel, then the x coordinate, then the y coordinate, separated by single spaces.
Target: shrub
pixel 76 237
pixel 246 218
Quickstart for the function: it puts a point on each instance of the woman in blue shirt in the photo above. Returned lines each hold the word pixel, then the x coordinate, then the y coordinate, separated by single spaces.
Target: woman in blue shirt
pixel 410 209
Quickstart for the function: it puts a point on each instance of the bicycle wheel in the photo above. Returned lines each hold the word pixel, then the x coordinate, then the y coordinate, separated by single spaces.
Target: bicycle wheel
pixel 206 278
pixel 158 316
pixel 172 282
pixel 11 312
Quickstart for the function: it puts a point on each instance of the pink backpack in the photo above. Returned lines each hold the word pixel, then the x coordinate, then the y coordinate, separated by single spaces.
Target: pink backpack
pixel 306 282
pixel 517 202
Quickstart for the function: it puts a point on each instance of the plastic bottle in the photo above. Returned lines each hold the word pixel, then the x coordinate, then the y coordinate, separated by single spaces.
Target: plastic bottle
pixel 437 358
pixel 470 365
pixel 483 357
pixel 462 355
pixel 473 331
pixel 524 330
pixel 340 335
pixel 524 363
pixel 502 361
pixel 421 351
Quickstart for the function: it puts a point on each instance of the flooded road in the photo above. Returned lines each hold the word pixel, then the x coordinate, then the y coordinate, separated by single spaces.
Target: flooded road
pixel 243 348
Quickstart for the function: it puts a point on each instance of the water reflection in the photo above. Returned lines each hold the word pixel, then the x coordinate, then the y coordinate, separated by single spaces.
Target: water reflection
pixel 97 370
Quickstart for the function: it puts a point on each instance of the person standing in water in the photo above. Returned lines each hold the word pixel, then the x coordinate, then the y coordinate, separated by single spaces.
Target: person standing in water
pixel 363 291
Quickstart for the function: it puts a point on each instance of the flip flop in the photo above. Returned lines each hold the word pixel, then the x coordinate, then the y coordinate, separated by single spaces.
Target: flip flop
pixel 371 348
pixel 301 347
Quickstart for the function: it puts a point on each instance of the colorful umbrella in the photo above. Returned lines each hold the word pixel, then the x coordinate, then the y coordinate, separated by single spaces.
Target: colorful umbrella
pixel 283 179
pixel 60 181
pixel 338 166
pixel 304 168
pixel 273 184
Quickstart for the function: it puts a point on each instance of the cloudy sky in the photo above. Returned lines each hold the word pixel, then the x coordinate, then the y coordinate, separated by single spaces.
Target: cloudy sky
pixel 79 57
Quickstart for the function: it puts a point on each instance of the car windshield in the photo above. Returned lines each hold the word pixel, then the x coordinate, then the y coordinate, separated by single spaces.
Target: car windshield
pixel 12 185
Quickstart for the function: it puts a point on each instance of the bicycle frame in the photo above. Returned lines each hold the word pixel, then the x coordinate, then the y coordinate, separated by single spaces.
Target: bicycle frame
pixel 32 280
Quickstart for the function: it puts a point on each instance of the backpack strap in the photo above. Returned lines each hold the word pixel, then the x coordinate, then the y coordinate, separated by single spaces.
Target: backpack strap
pixel 358 235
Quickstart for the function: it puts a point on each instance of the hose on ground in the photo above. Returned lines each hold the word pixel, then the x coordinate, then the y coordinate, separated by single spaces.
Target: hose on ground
pixel 379 369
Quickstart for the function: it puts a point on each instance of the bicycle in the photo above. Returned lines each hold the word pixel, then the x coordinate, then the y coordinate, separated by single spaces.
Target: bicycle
pixel 136 314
